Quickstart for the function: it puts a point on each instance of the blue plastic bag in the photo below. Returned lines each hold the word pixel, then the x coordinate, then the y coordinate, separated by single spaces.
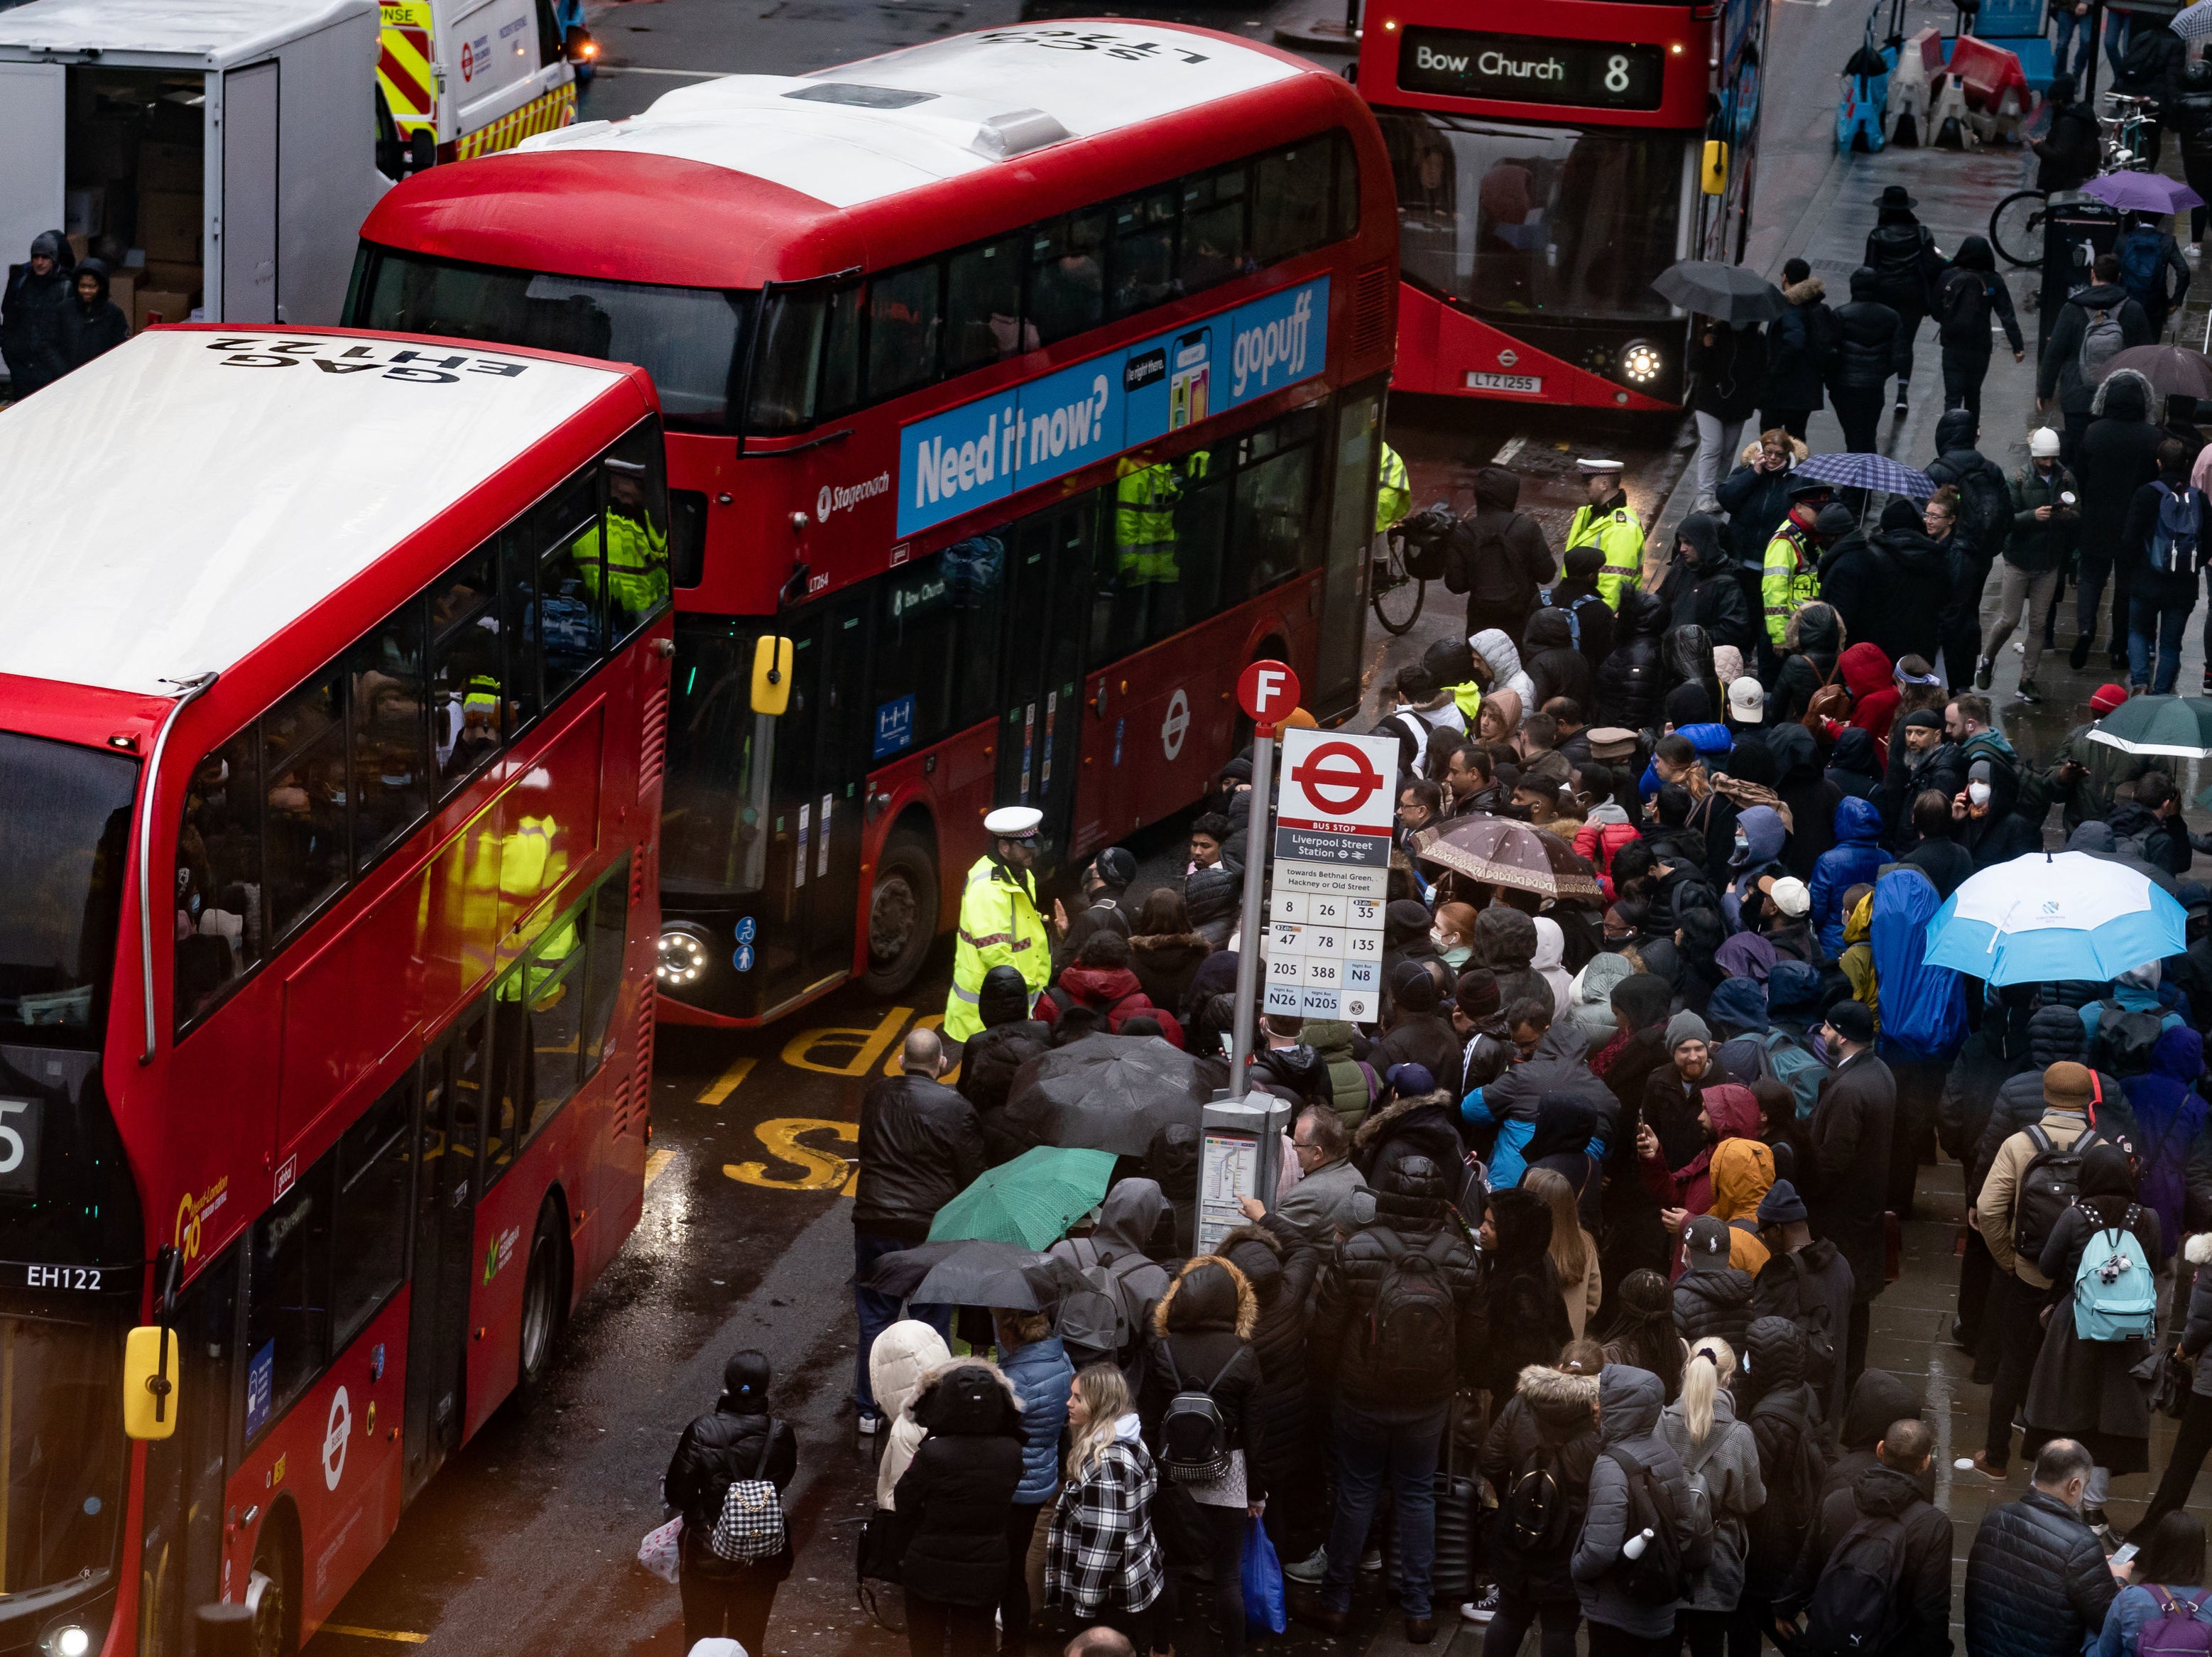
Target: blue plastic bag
pixel 1263 1581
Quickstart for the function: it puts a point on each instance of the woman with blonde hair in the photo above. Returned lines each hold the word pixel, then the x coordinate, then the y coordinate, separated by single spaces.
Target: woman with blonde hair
pixel 1574 1251
pixel 1101 1559
pixel 1702 1426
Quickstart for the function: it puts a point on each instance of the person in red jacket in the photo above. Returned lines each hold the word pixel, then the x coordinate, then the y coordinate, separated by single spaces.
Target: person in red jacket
pixel 1606 826
pixel 1102 978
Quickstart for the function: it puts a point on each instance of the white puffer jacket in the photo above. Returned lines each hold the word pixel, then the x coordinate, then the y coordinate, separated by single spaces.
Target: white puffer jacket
pixel 902 1356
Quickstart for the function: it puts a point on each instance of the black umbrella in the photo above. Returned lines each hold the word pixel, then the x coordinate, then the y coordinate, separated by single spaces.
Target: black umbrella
pixel 1107 1094
pixel 1731 293
pixel 970 1272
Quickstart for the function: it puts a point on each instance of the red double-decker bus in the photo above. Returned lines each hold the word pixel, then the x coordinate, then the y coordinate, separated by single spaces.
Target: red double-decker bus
pixel 1547 167
pixel 1028 381
pixel 332 724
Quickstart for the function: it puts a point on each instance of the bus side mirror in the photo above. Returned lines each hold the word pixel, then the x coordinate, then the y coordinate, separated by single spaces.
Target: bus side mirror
pixel 1712 176
pixel 771 675
pixel 150 1382
pixel 578 46
pixel 422 150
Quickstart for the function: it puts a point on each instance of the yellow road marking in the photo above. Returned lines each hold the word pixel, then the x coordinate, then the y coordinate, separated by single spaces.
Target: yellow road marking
pixel 727 1083
pixel 821 1170
pixel 655 1165
pixel 376 1633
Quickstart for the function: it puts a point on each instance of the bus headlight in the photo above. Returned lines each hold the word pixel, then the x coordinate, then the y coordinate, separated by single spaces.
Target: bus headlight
pixel 69 1640
pixel 1640 363
pixel 683 958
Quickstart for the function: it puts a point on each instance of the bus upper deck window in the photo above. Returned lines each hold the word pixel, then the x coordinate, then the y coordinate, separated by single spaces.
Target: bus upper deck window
pixel 1068 274
pixel 787 362
pixel 983 306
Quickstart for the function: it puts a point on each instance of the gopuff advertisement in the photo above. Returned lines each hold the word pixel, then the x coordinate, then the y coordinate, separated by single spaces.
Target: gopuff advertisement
pixel 985 450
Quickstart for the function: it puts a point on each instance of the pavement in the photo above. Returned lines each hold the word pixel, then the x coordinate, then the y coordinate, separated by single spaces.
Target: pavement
pixel 525 1541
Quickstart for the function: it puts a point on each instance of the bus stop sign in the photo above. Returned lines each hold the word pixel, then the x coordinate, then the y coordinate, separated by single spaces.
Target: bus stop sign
pixel 1267 690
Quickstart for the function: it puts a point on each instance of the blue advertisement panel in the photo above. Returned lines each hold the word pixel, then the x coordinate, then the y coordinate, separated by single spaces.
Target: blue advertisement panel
pixel 966 457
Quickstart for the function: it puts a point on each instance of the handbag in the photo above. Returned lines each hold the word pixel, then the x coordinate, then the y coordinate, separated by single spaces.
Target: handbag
pixel 659 1550
pixel 1263 1580
pixel 751 1525
pixel 883 1547
pixel 2166 1380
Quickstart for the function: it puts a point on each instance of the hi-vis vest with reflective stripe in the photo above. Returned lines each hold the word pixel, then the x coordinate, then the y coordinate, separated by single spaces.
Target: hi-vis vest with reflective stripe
pixel 999 927
pixel 1393 491
pixel 1789 580
pixel 528 868
pixel 637 562
pixel 1618 535
pixel 1143 517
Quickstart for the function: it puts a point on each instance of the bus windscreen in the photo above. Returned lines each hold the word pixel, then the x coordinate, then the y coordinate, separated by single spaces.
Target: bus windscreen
pixel 691 340
pixel 64 825
pixel 1531 221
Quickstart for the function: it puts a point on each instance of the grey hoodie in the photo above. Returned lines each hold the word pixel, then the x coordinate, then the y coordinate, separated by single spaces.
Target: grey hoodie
pixel 1629 1401
pixel 1127 1219
pixel 1729 1460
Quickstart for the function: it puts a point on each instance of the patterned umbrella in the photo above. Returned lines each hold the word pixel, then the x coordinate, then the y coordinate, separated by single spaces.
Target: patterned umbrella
pixel 1498 851
pixel 1867 472
pixel 2142 192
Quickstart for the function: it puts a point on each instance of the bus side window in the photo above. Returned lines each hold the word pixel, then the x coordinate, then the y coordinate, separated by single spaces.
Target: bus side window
pixel 903 317
pixel 374 1203
pixel 635 551
pixel 287 1319
pixel 916 659
pixel 610 933
pixel 1346 224
pixel 391 788
pixel 1273 497
pixel 510 1079
pixel 305 782
pixel 1143 262
pixel 841 351
pixel 570 579
pixel 1068 274
pixel 1202 530
pixel 1290 201
pixel 786 363
pixel 219 918
pixel 517 578
pixel 976 580
pixel 467 706
pixel 983 306
pixel 1212 249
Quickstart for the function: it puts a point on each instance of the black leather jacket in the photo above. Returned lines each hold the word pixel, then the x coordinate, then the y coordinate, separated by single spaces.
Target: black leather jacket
pixel 920 1146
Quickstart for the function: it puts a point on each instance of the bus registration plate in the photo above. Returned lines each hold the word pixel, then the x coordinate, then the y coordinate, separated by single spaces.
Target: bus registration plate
pixel 1522 382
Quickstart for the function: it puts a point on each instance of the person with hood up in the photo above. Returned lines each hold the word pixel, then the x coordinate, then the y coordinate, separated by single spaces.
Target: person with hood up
pixel 1202 1333
pixel 1102 1560
pixel 954 1503
pixel 1548 962
pixel 2116 456
pixel 1031 1357
pixel 2072 152
pixel 1892 592
pixel 1761 839
pixel 1729 1121
pixel 1879 1399
pixel 1555 667
pixel 1579 595
pixel 2046 522
pixel 1889 1495
pixel 1985 822
pixel 1101 979
pixel 1524 1309
pixel 2093 326
pixel 1117 1253
pixel 1809 799
pixel 1703 587
pixel 1812 661
pixel 1630 1401
pixel 2170 1117
pixel 1867 329
pixel 1982 524
pixel 1906 262
pixel 1756 494
pixel 1851 575
pixel 1164 953
pixel 1808 1283
pixel 1789 578
pixel 1631 682
pixel 738 1440
pixel 902 1356
pixel 1497 557
pixel 1415 1031
pixel 34 327
pixel 1783 1408
pixel 1726 365
pixel 1800 343
pixel 1968 296
pixel 1495 648
pixel 1924 1019
pixel 1554 1068
pixel 1388 1419
pixel 1505 938
pixel 1868 675
pixel 1419 1122
pixel 1548 1428
pixel 1009 1038
pixel 1856 857
pixel 1702 1429
pixel 2162 590
pixel 1712 1298
pixel 1281 1265
pixel 91 322
pixel 1589 997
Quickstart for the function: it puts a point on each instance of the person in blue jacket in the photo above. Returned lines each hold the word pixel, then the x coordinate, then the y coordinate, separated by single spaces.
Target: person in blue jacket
pixel 1854 859
pixel 1031 1357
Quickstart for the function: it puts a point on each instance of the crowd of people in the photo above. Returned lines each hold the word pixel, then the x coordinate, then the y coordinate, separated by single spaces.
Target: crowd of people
pixel 55 314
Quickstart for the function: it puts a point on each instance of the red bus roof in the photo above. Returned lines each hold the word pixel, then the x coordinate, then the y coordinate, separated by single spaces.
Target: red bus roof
pixel 755 178
pixel 191 496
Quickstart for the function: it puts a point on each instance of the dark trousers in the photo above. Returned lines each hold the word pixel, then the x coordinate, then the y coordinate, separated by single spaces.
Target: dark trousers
pixel 877 1311
pixel 1962 636
pixel 1859 409
pixel 2191 1446
pixel 2153 626
pixel 1793 421
pixel 2069 435
pixel 1963 374
pixel 1014 1600
pixel 1977 1272
pixel 1909 317
pixel 1370 1450
pixel 1228 1525
pixel 1511 1626
pixel 2018 1308
pixel 1919 1086
pixel 1606 1641
pixel 934 1629
pixel 727 1607
pixel 2090 596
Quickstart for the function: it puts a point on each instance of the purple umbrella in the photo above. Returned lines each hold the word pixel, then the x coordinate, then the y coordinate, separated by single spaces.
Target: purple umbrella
pixel 2142 192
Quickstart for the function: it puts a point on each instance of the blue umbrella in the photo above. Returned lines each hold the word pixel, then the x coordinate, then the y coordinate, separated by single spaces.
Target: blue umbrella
pixel 2054 915
pixel 1867 472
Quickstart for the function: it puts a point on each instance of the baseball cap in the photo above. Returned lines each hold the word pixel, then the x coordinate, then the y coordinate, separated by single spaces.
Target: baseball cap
pixel 1792 896
pixel 1747 702
pixel 1705 1243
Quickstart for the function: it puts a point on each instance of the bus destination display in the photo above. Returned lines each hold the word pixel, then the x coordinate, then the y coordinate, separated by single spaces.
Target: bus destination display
pixel 1593 74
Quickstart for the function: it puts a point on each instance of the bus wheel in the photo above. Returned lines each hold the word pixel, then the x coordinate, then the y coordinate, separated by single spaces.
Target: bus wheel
pixel 902 915
pixel 268 1594
pixel 541 1300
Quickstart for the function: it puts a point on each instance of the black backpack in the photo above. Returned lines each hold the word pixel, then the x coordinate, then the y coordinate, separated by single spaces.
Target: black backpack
pixel 1962 305
pixel 1793 1488
pixel 1193 1439
pixel 1811 1321
pixel 1535 1509
pixel 2125 1039
pixel 1413 1330
pixel 2048 1186
pixel 1655 1576
pixel 1854 1604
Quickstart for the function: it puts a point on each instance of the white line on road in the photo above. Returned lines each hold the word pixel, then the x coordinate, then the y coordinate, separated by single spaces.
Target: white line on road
pixel 688 73
pixel 1505 454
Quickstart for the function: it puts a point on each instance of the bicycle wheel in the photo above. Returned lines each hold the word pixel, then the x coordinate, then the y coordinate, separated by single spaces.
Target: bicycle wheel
pixel 2017 228
pixel 1395 596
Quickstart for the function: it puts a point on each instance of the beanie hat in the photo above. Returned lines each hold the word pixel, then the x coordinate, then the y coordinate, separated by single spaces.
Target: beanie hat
pixel 2068 1085
pixel 2106 697
pixel 1781 1206
pixel 1413 987
pixel 1686 1025
pixel 1116 866
pixel 2043 442
pixel 1477 993
pixel 1853 1021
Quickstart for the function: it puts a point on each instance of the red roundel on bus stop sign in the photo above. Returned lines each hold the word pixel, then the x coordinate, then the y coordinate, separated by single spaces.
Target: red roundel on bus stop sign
pixel 1267 690
pixel 1337 775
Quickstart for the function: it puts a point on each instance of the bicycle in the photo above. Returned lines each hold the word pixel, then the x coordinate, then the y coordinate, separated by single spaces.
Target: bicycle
pixel 1388 578
pixel 2016 226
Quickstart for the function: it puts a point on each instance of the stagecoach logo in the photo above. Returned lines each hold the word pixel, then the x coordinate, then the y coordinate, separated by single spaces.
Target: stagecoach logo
pixel 838 498
pixel 336 1432
pixel 500 1250
pixel 193 1213
pixel 1278 343
pixel 1175 725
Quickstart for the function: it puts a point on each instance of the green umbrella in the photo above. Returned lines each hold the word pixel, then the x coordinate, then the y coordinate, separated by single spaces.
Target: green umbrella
pixel 1031 1200
pixel 2178 725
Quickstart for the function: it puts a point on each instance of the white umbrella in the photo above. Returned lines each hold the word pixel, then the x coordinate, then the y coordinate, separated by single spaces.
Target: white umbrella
pixel 2054 915
pixel 2193 22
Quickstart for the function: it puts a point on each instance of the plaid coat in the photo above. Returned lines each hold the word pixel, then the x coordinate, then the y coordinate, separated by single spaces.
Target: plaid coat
pixel 1099 1554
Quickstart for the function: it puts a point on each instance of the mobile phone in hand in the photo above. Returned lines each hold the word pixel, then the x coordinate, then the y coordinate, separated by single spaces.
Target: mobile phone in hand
pixel 2125 1555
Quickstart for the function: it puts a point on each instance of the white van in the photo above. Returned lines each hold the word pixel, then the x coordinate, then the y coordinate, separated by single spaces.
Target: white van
pixel 470 76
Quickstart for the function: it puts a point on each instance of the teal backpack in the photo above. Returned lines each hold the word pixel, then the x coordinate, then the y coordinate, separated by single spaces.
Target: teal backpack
pixel 2115 1297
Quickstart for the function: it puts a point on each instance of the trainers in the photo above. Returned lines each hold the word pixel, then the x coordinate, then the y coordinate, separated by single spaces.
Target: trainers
pixel 2078 657
pixel 1311 1569
pixel 2026 691
pixel 1371 1560
pixel 868 1426
pixel 1482 1610
pixel 1982 675
pixel 1989 1469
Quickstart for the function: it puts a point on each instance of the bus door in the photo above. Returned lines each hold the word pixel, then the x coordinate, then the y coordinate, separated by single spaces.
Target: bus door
pixel 1049 582
pixel 180 1565
pixel 814 856
pixel 448 1140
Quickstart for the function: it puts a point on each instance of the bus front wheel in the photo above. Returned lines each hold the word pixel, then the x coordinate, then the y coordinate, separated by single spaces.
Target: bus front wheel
pixel 902 915
pixel 269 1594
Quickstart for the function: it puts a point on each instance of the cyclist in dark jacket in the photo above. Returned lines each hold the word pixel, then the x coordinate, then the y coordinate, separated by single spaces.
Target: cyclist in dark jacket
pixel 1905 263
pixel 1866 349
pixel 736 1440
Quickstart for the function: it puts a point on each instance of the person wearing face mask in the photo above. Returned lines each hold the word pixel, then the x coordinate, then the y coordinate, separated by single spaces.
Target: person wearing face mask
pixel 1453 934
pixel 1984 820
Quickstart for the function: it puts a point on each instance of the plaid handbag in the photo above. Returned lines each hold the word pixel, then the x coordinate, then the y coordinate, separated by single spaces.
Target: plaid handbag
pixel 751 1526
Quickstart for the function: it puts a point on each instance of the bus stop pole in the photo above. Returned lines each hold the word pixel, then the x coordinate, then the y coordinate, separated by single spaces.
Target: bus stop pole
pixel 1255 870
